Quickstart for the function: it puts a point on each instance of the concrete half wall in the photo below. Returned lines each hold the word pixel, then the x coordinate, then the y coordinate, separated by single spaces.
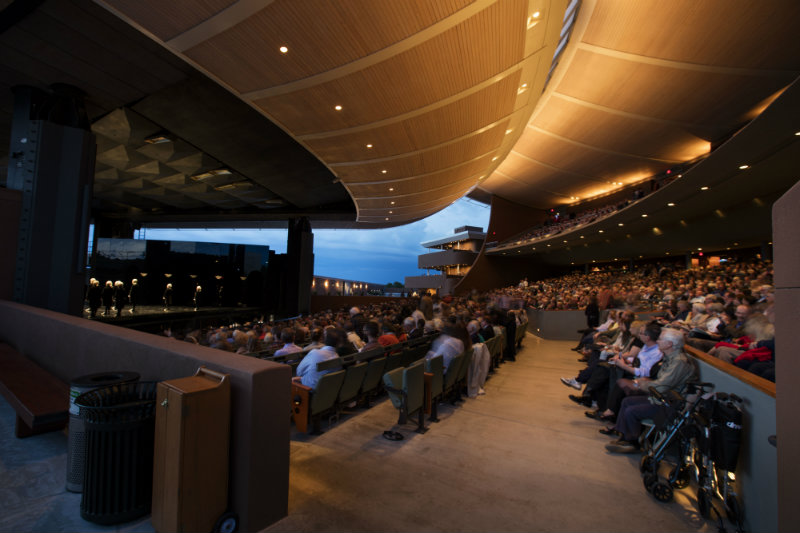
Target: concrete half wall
pixel 70 347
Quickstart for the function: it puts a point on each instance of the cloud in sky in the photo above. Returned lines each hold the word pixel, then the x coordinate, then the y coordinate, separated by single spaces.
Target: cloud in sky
pixel 376 256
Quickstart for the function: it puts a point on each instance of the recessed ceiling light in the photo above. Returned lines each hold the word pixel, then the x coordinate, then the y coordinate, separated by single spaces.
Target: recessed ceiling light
pixel 392 203
pixel 536 14
pixel 509 131
pixel 369 146
pixel 383 172
pixel 494 158
pixel 581 236
pixel 620 224
pixel 338 108
pixel 699 249
pixel 387 218
pixel 565 240
pixel 744 167
pixel 671 204
pixel 391 189
pixel 283 49
pixel 644 215
pixel 600 231
pixel 391 212
pixel 704 188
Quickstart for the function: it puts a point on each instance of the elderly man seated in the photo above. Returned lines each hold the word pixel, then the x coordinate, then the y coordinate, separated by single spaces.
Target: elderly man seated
pixel 676 371
pixel 307 372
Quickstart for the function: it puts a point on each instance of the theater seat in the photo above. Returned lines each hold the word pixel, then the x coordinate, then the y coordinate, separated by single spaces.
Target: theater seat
pixel 310 405
pixel 434 372
pixel 354 377
pixel 406 388
pixel 372 379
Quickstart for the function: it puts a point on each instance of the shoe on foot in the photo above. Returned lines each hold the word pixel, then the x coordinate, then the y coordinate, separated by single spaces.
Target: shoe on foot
pixel 586 401
pixel 611 432
pixel 481 392
pixel 622 446
pixel 571 382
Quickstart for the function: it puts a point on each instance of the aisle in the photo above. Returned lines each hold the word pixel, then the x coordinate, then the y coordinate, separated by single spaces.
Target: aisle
pixel 521 458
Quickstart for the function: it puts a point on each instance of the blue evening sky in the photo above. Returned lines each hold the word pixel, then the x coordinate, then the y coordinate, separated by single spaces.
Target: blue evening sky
pixel 375 256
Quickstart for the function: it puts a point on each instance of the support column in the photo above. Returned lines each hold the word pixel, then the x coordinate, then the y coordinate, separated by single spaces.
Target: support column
pixel 52 165
pixel 299 267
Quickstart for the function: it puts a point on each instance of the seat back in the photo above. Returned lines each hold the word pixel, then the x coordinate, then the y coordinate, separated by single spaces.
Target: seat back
pixel 435 366
pixel 393 380
pixel 410 355
pixel 351 385
pixel 394 360
pixel 324 396
pixel 372 377
pixel 414 387
pixel 465 362
pixel 452 372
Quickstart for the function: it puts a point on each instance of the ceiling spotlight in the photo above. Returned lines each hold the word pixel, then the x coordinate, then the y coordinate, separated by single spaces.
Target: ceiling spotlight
pixel 283 49
pixel 744 167
pixel 369 146
pixel 509 131
pixel 391 212
pixel 338 108
pixel 704 188
pixel 494 158
pixel 644 215
pixel 391 189
pixel 383 171
pixel 392 203
pixel 600 231
pixel 671 204
pixel 620 224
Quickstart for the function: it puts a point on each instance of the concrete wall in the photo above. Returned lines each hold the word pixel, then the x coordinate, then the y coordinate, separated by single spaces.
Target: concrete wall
pixel 786 236
pixel 71 347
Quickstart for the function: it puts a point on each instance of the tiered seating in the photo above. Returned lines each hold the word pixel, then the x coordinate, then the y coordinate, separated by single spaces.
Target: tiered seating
pixel 359 380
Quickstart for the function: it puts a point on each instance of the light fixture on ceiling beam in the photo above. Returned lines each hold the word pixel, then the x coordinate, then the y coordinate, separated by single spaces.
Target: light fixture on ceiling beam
pixel 212 174
pixel 158 138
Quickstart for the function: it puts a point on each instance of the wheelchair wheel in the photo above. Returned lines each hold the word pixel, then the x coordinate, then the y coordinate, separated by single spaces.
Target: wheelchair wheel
pixel 662 492
pixel 679 479
pixel 704 502
pixel 649 480
pixel 648 464
pixel 733 509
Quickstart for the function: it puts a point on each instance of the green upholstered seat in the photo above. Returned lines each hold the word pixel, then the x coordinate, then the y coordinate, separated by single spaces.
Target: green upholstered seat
pixel 435 366
pixel 323 398
pixel 394 360
pixel 406 388
pixel 351 386
pixel 372 378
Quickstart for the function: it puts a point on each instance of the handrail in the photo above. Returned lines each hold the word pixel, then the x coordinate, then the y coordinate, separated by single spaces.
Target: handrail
pixel 757 382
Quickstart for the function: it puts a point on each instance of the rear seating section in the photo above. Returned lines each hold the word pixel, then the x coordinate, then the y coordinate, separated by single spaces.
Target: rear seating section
pixel 415 385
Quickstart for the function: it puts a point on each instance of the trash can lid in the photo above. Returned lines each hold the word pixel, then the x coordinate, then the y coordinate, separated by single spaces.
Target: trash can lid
pixel 102 379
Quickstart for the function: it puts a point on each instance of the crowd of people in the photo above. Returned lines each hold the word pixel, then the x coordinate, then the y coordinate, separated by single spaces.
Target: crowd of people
pixel 457 323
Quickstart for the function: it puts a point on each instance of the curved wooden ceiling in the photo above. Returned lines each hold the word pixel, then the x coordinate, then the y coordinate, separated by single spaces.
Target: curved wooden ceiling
pixel 645 85
pixel 410 103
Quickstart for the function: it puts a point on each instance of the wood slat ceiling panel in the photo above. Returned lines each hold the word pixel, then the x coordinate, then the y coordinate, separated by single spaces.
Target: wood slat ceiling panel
pixel 610 131
pixel 247 55
pixel 758 35
pixel 434 180
pixel 430 206
pixel 439 158
pixel 688 96
pixel 527 195
pixel 520 168
pixel 169 19
pixel 488 43
pixel 411 200
pixel 429 129
pixel 584 160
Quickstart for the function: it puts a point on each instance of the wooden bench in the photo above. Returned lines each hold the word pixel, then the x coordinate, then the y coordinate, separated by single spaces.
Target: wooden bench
pixel 40 399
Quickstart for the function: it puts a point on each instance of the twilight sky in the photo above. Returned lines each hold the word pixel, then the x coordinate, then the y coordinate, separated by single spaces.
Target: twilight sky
pixel 375 256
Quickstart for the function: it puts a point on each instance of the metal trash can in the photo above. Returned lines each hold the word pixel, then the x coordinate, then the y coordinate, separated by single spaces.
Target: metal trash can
pixel 76 443
pixel 118 479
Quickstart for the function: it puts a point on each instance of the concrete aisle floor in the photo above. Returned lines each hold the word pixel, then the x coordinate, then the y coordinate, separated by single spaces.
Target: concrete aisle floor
pixel 521 458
